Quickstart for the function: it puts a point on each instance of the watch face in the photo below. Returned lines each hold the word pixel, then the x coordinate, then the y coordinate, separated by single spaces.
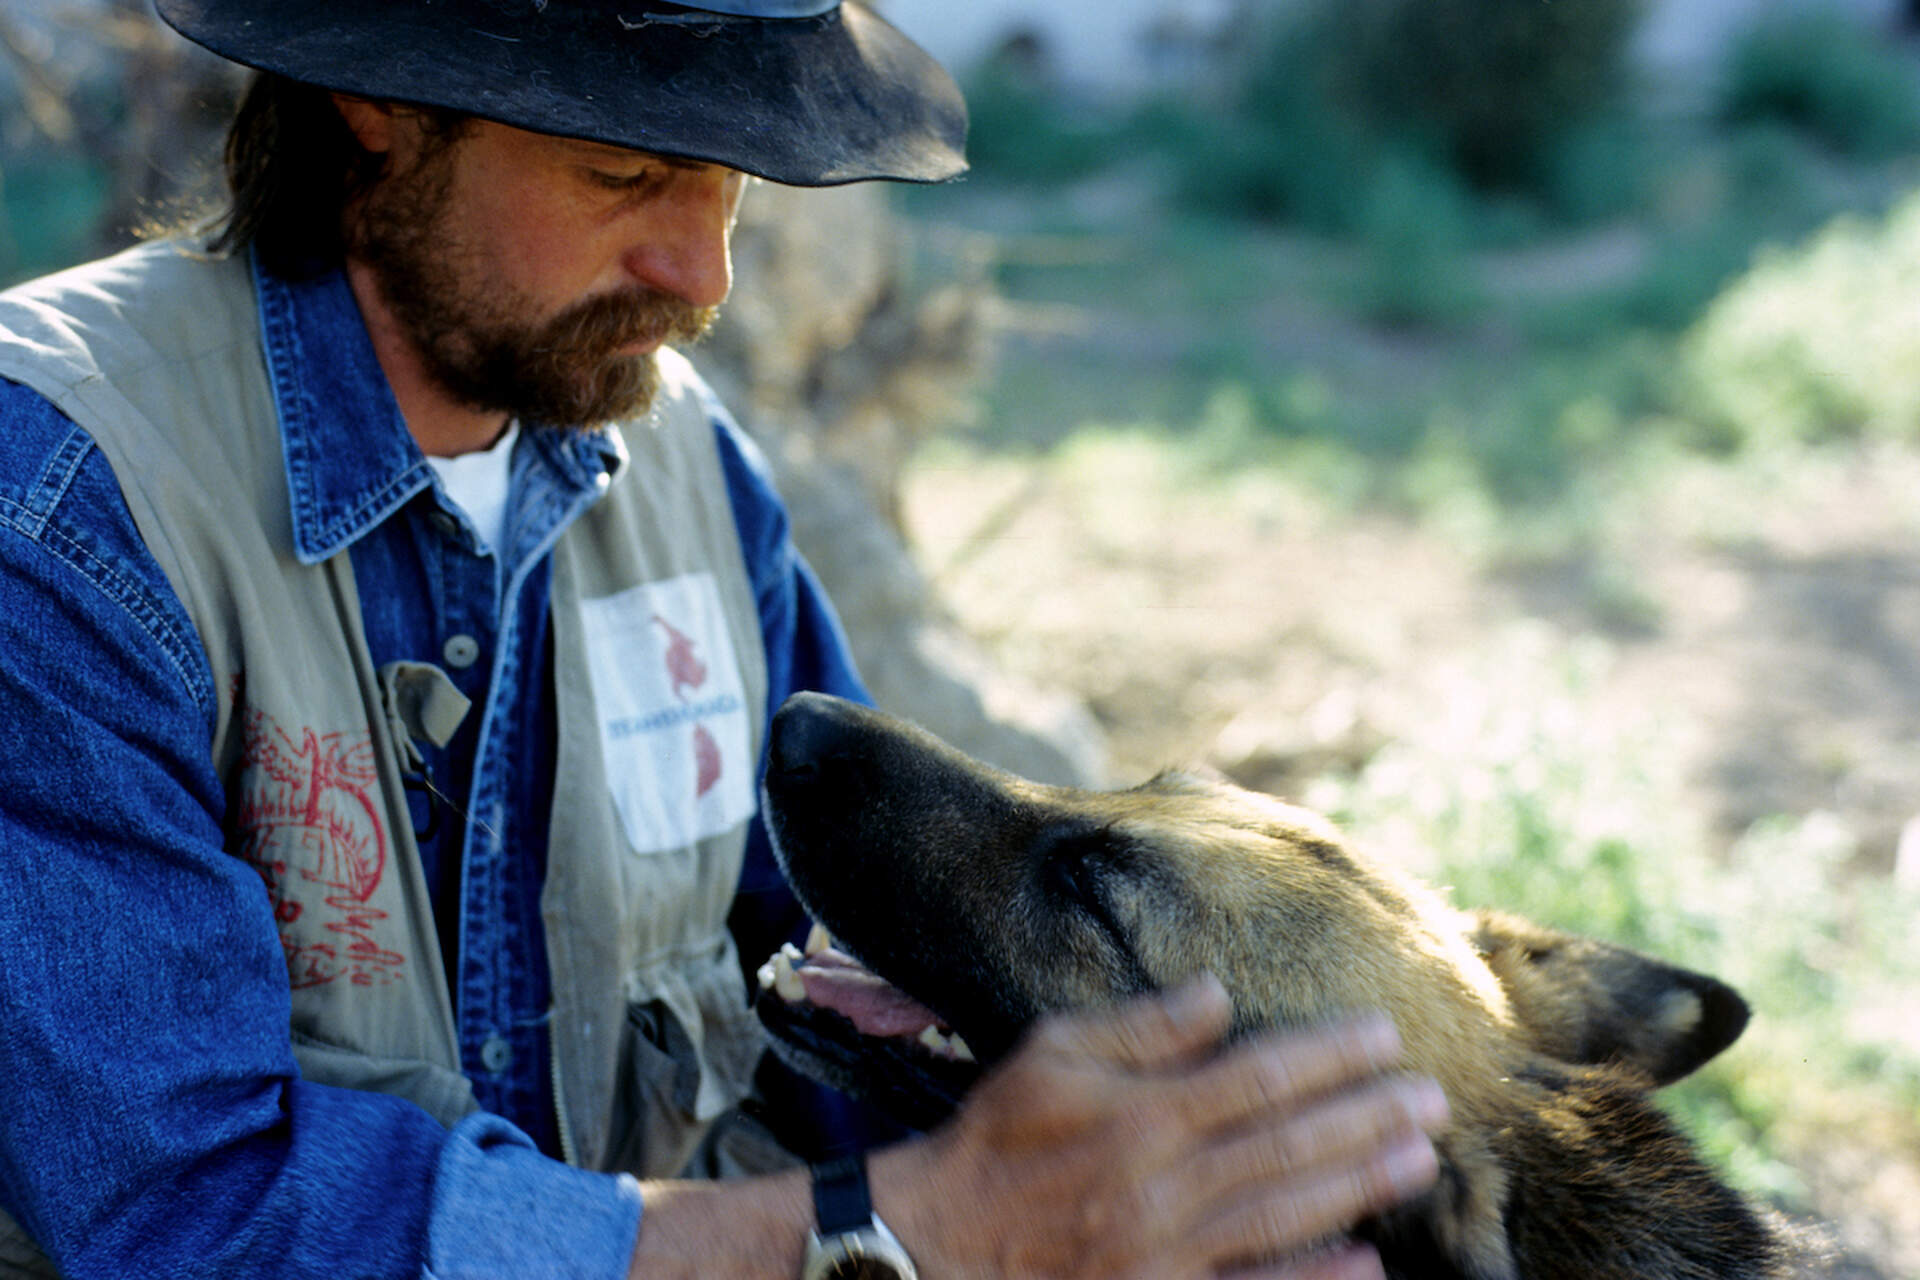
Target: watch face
pixel 858 1255
pixel 860 1268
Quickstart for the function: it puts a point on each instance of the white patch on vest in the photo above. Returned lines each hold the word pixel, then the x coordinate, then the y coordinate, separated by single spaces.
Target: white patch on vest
pixel 673 711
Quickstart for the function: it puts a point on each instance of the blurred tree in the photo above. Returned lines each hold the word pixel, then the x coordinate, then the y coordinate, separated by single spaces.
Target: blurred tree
pixel 1491 84
pixel 1828 75
pixel 1321 102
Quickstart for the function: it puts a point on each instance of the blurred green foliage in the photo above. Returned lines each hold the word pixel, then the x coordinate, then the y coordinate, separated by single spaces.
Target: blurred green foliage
pixel 1020 131
pixel 1497 95
pixel 1816 342
pixel 1340 115
pixel 49 208
pixel 1415 222
pixel 1494 84
pixel 1832 77
pixel 1349 167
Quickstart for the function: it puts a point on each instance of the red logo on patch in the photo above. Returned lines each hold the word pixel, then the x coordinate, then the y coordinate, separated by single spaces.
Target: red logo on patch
pixel 309 822
pixel 688 674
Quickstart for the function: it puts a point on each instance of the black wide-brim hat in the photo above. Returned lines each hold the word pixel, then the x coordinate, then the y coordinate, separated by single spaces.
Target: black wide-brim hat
pixel 810 93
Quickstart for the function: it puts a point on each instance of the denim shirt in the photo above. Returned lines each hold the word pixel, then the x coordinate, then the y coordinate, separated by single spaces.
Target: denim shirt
pixel 152 1121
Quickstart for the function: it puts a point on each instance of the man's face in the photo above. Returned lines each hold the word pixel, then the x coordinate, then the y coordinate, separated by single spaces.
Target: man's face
pixel 536 276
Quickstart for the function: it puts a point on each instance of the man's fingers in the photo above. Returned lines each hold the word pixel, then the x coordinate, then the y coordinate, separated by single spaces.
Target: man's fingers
pixel 1352 1261
pixel 1280 1186
pixel 1281 1074
pixel 1128 1142
pixel 1157 1032
pixel 1291 1215
pixel 1344 1129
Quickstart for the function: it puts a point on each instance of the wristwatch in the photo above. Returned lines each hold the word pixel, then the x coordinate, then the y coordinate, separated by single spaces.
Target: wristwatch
pixel 848 1241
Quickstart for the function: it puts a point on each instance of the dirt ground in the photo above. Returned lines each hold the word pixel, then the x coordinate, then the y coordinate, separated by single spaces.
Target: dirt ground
pixel 1774 635
pixel 1769 638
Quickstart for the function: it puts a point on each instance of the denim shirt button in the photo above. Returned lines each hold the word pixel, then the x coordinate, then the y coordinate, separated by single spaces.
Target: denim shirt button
pixel 496 1055
pixel 461 651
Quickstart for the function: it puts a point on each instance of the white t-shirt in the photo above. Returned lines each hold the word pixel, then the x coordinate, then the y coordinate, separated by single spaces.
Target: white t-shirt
pixel 477 484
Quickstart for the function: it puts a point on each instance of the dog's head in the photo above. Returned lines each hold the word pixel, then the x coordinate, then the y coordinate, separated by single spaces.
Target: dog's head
pixel 991 900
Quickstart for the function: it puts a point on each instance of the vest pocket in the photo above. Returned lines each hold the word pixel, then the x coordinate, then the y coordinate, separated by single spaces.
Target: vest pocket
pixel 670 1091
pixel 659 1090
pixel 20 1258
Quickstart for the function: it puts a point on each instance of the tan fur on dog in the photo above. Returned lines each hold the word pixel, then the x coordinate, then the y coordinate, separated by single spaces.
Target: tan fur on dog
pixel 993 900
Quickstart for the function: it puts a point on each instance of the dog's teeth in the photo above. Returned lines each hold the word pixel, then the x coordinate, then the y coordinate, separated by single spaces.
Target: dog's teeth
pixel 791 952
pixel 765 974
pixel 785 980
pixel 818 939
pixel 943 1044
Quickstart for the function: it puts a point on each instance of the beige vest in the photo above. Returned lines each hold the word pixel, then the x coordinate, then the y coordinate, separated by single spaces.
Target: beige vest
pixel 661 690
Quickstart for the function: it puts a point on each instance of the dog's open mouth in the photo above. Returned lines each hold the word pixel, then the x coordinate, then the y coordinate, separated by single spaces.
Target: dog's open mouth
pixel 836 1020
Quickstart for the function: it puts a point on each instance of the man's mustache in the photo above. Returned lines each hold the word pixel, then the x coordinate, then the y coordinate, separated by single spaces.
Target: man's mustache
pixel 612 321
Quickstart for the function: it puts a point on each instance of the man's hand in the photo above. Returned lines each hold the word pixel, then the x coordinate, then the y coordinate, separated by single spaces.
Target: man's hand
pixel 1129 1144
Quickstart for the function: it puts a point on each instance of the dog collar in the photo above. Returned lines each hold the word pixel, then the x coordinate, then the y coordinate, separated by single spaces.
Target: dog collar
pixel 849 1242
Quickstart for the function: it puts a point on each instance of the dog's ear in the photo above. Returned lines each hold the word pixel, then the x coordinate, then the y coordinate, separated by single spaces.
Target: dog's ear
pixel 1584 1001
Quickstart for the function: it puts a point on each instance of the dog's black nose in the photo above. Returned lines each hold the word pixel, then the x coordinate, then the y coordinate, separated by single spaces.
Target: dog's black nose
pixel 811 728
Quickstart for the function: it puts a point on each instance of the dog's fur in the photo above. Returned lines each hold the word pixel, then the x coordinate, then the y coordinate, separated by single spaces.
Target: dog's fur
pixel 993 900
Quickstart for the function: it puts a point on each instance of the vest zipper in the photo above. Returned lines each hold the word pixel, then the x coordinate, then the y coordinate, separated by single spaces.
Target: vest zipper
pixel 567 1150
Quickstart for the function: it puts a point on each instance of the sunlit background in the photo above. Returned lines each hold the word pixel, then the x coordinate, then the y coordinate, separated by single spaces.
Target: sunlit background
pixel 1494 422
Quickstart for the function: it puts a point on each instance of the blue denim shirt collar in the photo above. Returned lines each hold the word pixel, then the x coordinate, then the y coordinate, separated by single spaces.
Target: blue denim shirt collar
pixel 350 460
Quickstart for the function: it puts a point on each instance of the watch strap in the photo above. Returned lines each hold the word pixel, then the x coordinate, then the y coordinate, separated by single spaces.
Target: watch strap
pixel 841 1200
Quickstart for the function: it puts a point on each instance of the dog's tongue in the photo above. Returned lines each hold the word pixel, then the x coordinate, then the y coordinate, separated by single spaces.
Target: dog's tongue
pixel 838 982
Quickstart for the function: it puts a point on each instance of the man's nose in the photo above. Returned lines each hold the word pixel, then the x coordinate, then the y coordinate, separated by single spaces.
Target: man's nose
pixel 684 247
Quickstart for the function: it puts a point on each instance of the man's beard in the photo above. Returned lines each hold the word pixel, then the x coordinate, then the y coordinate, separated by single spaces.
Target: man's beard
pixel 561 371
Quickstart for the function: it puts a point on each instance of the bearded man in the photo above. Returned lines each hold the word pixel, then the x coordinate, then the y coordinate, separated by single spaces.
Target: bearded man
pixel 392 623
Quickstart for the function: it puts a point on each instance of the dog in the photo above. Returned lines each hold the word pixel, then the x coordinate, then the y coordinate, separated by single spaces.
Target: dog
pixel 989 900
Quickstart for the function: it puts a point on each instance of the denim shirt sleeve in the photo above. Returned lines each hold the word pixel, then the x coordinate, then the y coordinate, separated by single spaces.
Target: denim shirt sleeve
pixel 152 1118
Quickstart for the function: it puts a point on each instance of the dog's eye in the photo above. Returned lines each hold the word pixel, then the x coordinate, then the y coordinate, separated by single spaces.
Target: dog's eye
pixel 1072 879
pixel 1070 867
pixel 1082 874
